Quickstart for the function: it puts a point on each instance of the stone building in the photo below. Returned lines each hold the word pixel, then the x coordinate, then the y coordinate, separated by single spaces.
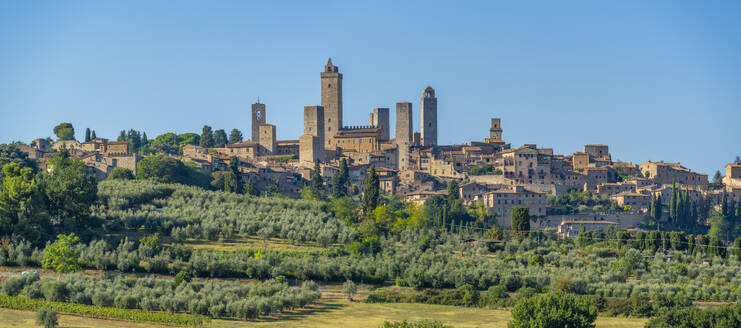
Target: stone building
pixel 597 151
pixel 361 139
pixel 668 173
pixel 635 200
pixel 332 102
pixel 428 119
pixel 380 118
pixel 732 179
pixel 501 202
pixel 403 133
pixel 258 119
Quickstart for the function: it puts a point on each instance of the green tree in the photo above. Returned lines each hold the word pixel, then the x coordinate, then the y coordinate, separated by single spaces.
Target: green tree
pixel 10 153
pixel 207 137
pixel 237 175
pixel 87 134
pixel 69 187
pixel 22 204
pixel 92 135
pixel 235 136
pixel 220 138
pixel 340 180
pixel 62 255
pixel 317 183
pixel 145 141
pixel 120 173
pixel 349 289
pixel 46 317
pixel 717 178
pixel 520 221
pixel 122 136
pixel 371 191
pixel 166 169
pixel 64 131
pixel 554 310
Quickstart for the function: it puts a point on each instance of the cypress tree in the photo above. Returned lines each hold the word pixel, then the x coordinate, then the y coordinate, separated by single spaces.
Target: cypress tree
pixel 122 136
pixel 317 184
pixel 92 135
pixel 340 180
pixel 144 138
pixel 371 191
pixel 673 203
pixel 521 222
pixel 234 167
pixel 87 134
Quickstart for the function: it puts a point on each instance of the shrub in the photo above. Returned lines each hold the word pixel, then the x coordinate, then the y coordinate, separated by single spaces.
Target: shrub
pixel 349 289
pixel 419 324
pixel 554 310
pixel 46 317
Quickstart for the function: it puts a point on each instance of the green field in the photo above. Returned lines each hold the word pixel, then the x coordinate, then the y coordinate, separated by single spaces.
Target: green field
pixel 333 312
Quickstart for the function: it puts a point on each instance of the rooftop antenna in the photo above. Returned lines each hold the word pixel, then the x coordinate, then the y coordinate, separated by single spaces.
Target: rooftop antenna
pixel 258 99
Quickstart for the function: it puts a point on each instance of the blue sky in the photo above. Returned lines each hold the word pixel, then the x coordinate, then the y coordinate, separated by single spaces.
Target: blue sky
pixel 652 79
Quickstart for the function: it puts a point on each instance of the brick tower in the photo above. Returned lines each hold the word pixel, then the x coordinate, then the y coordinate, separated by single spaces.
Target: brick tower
pixel 332 102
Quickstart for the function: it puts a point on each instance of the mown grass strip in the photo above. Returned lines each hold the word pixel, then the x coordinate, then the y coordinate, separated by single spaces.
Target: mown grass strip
pixel 99 312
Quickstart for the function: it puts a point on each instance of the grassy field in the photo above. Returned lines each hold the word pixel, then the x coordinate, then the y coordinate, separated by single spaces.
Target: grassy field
pixel 334 313
pixel 252 242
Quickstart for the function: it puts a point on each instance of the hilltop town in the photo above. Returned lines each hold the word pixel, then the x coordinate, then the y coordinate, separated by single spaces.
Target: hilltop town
pixel 413 165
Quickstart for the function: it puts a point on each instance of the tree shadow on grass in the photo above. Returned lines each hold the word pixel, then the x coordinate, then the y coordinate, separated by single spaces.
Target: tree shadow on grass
pixel 322 307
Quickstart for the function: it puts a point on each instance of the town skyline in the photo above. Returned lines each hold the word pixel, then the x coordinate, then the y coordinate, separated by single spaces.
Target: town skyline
pixel 549 101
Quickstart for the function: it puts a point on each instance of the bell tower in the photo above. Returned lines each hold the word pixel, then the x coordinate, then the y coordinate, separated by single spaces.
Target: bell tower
pixel 332 102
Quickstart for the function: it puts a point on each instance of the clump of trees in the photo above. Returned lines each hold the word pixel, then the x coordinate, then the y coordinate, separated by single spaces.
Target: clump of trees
pixel 218 299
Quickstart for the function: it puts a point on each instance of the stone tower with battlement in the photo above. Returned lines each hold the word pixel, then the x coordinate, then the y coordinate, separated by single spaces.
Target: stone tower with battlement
pixel 380 118
pixel 429 117
pixel 332 102
pixel 495 132
pixel 258 118
pixel 403 138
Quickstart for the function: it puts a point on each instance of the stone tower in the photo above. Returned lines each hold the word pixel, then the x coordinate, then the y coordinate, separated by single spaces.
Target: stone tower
pixel 314 122
pixel 496 129
pixel 267 138
pixel 429 117
pixel 403 137
pixel 258 118
pixel 380 118
pixel 332 102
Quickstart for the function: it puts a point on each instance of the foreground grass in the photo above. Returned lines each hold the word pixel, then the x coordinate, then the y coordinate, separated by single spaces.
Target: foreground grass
pixel 334 313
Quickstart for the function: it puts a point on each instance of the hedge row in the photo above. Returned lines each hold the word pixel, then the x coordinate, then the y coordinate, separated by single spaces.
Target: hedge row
pixel 23 303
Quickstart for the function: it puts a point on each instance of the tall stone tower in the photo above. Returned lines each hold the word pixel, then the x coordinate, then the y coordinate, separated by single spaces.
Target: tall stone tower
pixel 429 117
pixel 314 122
pixel 258 118
pixel 404 130
pixel 495 132
pixel 332 102
pixel 380 118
